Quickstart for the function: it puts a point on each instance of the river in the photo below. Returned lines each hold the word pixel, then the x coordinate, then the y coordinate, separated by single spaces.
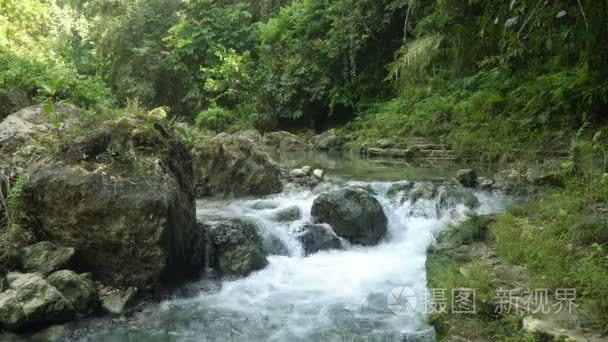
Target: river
pixel 337 295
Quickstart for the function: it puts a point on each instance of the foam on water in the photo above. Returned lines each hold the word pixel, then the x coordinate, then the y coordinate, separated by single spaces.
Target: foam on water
pixel 332 295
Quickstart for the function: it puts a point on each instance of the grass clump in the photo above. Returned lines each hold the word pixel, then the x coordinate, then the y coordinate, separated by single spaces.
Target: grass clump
pixel 472 230
pixel 447 272
pixel 563 240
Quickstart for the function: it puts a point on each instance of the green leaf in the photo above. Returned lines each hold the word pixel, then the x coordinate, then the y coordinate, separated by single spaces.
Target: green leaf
pixel 49 107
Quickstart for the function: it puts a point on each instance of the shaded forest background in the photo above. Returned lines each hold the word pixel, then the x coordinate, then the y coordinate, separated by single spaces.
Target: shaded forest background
pixel 501 77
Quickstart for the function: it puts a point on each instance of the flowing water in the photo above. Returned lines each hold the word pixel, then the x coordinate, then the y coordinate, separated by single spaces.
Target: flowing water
pixel 338 295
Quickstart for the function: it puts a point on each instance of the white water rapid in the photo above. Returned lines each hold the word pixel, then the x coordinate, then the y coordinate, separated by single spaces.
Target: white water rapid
pixel 337 295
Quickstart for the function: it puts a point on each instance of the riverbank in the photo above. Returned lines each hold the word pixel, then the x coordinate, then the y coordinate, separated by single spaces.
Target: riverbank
pixel 526 266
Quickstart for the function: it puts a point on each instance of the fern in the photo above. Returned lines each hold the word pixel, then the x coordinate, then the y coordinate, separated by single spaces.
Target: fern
pixel 587 157
pixel 413 59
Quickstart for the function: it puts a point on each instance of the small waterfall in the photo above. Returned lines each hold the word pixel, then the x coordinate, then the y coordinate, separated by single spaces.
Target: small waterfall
pixel 209 254
pixel 333 295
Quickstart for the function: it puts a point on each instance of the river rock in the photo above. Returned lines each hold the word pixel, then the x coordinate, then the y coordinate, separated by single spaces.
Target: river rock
pixel 273 245
pixel 298 173
pixel 397 187
pixel 79 290
pixel 318 174
pixel 328 140
pixel 229 166
pixel 306 169
pixel 31 301
pixel 288 214
pixel 448 197
pixel 354 214
pixel 422 190
pixel 318 237
pixel 467 178
pixel 45 257
pixel 263 205
pixel 484 183
pixel 237 247
pixel 284 141
pixel 252 135
pixel 116 301
pixel 131 220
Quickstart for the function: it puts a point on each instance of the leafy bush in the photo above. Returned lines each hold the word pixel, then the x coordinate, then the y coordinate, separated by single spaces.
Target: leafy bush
pixel 31 77
pixel 216 119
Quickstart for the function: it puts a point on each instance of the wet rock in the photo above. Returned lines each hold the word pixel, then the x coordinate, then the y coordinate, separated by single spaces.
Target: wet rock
pixel 298 173
pixel 467 178
pixel 31 301
pixel 288 214
pixel 485 183
pixel 262 205
pixel 79 290
pixel 54 333
pixel 395 188
pixel 364 187
pixel 284 141
pixel 274 246
pixel 328 140
pixel 448 197
pixel 130 226
pixel 318 174
pixel 228 166
pixel 116 301
pixel 45 257
pixel 354 214
pixel 422 190
pixel 306 169
pixel 237 247
pixel 318 237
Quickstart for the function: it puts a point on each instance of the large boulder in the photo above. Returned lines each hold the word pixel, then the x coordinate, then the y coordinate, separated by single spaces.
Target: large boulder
pixel 328 140
pixel 122 197
pixel 30 124
pixel 45 257
pixel 30 301
pixel 353 213
pixel 227 165
pixel 318 237
pixel 285 141
pixel 236 246
pixel 78 289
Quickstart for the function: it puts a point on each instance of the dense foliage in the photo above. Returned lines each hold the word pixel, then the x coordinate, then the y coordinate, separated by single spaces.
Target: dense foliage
pixel 493 76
